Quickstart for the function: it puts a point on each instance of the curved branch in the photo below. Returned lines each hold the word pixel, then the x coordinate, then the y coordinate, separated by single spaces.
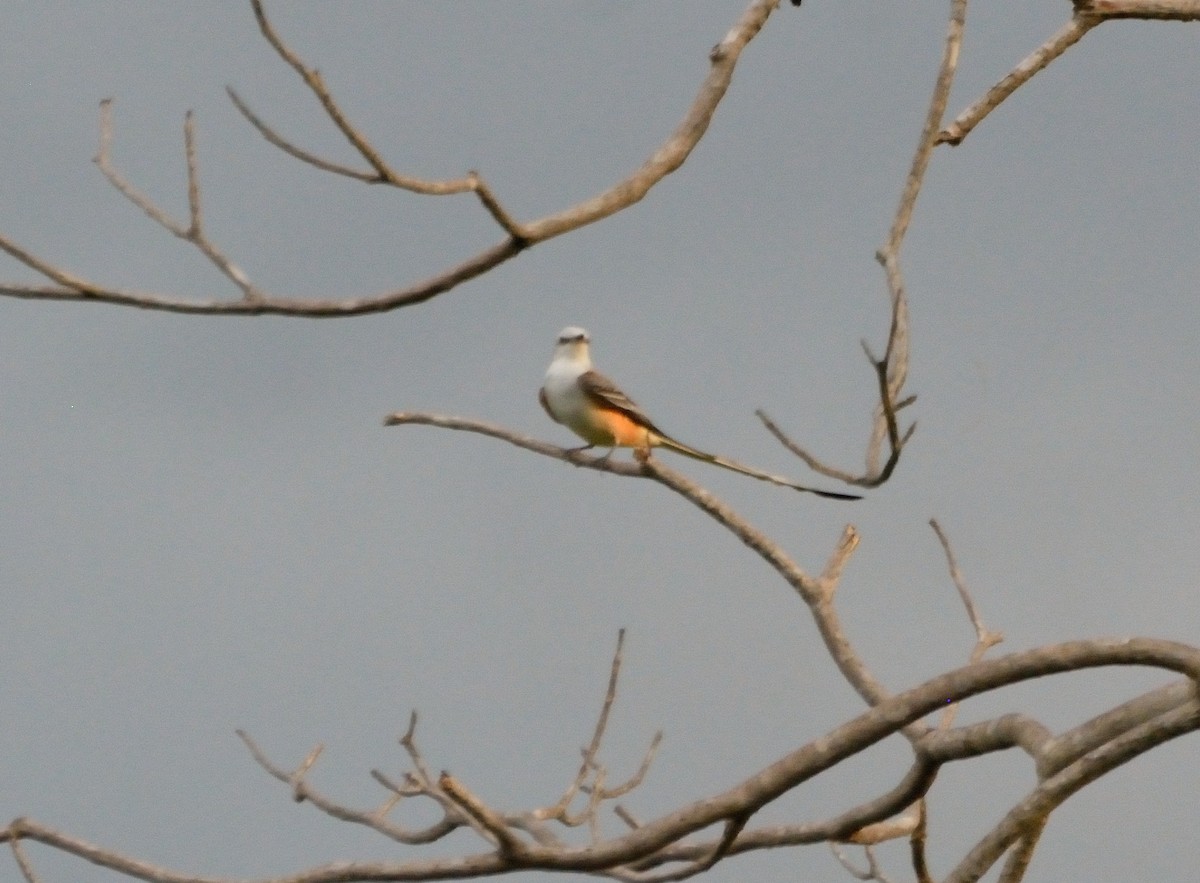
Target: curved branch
pixel 891 371
pixel 1088 14
pixel 1032 812
pixel 1066 37
pixel 742 801
pixel 817 593
pixel 519 236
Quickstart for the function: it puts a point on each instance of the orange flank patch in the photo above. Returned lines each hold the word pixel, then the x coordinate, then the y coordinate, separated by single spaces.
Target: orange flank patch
pixel 616 429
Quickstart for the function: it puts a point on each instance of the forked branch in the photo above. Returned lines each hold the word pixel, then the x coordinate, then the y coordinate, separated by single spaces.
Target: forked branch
pixel 816 592
pixel 662 841
pixel 1087 15
pixel 891 370
pixel 518 235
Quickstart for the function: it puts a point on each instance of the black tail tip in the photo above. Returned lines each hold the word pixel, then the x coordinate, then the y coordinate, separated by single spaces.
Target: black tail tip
pixel 833 495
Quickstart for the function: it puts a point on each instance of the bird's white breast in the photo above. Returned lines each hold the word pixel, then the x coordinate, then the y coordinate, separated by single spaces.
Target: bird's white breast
pixel 565 399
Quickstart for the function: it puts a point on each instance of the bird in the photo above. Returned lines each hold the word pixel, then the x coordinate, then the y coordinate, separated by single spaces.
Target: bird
pixel 595 409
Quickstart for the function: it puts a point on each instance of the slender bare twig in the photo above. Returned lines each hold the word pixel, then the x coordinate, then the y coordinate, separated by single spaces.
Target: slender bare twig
pixel 894 828
pixel 193 232
pixel 374 819
pixel 560 810
pixel 22 860
pixel 458 805
pixel 627 817
pixel 1066 37
pixel 991 734
pixel 518 235
pixel 639 776
pixel 871 872
pixel 381 173
pixel 511 848
pixel 718 851
pixel 1088 14
pixel 832 574
pixel 984 637
pixel 1147 10
pixel 891 371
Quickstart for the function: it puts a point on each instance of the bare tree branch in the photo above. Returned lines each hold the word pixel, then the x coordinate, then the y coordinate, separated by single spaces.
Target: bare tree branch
pixel 1022 854
pixel 1050 793
pixel 891 370
pixel 685 842
pixel 917 842
pixel 1088 14
pixel 519 236
pixel 375 820
pixel 193 232
pixel 983 636
pixel 989 736
pixel 22 860
pixel 872 871
pixel 730 808
pixel 1067 36
pixel 816 593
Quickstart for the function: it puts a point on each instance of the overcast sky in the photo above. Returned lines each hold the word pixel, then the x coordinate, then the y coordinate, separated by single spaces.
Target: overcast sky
pixel 206 527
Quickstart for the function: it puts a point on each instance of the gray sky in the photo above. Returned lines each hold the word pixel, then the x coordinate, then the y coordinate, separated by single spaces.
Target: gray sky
pixel 206 527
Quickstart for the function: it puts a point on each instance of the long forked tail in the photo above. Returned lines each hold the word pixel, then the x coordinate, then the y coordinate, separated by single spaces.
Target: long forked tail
pixel 681 448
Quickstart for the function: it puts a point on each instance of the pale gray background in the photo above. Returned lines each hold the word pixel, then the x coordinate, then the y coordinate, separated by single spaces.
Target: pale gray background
pixel 206 527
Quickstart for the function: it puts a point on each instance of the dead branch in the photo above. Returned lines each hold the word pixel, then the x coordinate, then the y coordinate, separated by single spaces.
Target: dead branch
pixel 1032 812
pixel 589 767
pixel 891 371
pixel 659 841
pixel 998 734
pixel 666 159
pixel 1087 15
pixel 376 820
pixel 871 872
pixel 816 593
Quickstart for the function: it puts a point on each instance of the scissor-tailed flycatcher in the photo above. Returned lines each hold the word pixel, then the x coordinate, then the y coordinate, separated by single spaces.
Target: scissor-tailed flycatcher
pixel 595 409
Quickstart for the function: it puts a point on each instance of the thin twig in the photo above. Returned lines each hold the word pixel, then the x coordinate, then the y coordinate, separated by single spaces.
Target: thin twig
pixel 891 371
pixel 849 662
pixel 1147 10
pixel 193 232
pixel 871 872
pixel 832 574
pixel 22 860
pixel 1088 14
pixel 559 809
pixel 510 846
pixel 372 819
pixel 1066 37
pixel 636 779
pixel 985 638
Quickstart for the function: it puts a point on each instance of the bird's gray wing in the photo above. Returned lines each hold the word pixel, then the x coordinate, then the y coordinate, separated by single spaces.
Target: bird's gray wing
pixel 607 394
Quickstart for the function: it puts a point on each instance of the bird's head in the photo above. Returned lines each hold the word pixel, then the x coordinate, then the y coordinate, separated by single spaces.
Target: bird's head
pixel 572 344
